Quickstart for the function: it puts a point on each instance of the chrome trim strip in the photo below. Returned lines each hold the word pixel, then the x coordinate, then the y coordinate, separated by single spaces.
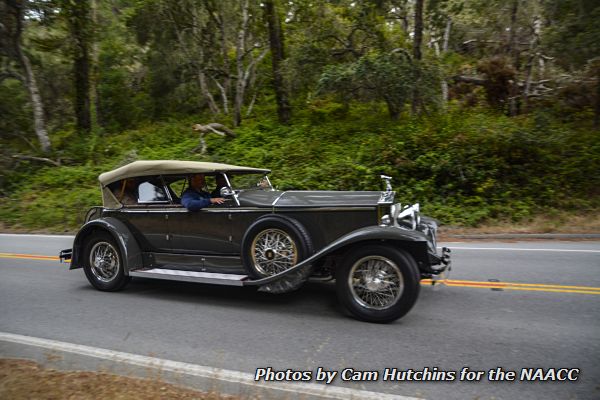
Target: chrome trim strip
pixel 251 209
pixel 321 208
pixel 270 184
pixel 277 199
pixel 235 195
pixel 166 189
pixel 190 276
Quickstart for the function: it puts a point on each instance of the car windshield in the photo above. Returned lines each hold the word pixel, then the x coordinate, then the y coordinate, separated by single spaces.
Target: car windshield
pixel 249 182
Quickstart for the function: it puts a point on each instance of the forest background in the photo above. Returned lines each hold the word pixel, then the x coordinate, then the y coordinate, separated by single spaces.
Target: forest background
pixel 484 111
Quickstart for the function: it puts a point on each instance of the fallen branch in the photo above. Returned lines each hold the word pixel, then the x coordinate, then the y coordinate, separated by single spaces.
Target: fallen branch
pixel 470 79
pixel 40 159
pixel 213 127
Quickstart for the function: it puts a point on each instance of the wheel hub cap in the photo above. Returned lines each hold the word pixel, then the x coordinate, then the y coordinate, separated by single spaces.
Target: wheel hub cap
pixel 273 251
pixel 376 282
pixel 104 261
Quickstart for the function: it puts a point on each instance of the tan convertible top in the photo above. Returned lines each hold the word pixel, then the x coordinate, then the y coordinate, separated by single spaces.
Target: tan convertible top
pixel 170 167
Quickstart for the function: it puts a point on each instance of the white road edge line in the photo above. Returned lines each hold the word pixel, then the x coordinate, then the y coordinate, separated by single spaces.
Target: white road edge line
pixel 34 235
pixel 521 249
pixel 244 378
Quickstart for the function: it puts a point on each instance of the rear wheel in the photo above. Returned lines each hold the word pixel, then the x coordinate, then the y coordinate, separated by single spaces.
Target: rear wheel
pixel 378 283
pixel 103 264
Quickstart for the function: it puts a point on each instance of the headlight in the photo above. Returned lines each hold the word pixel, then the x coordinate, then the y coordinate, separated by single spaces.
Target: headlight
pixel 407 217
pixel 386 220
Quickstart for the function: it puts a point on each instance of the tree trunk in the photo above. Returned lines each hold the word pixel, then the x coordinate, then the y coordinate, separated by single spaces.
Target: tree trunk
pixel 597 105
pixel 418 29
pixel 514 54
pixel 537 23
pixel 445 41
pixel 36 102
pixel 226 87
pixel 240 51
pixel 78 14
pixel 393 109
pixel 416 98
pixel 94 100
pixel 16 8
pixel 206 92
pixel 277 57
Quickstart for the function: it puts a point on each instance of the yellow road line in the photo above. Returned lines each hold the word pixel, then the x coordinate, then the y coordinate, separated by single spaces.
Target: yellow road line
pixel 542 285
pixel 28 256
pixel 534 287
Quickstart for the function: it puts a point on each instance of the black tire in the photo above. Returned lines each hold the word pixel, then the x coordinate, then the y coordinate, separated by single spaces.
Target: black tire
pixel 378 283
pixel 262 259
pixel 103 263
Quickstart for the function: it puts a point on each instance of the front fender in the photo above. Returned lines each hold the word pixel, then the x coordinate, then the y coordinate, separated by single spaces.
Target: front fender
pixel 414 242
pixel 130 250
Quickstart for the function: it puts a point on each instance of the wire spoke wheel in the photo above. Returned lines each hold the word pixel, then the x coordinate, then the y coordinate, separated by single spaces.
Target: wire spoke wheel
pixel 104 261
pixel 375 282
pixel 273 251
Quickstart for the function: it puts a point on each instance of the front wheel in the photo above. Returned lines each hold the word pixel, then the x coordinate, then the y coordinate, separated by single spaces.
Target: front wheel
pixel 378 283
pixel 103 264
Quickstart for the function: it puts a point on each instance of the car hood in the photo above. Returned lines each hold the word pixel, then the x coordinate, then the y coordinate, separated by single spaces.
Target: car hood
pixel 309 198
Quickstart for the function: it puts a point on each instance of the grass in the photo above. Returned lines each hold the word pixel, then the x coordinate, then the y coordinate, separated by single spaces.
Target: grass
pixel 22 379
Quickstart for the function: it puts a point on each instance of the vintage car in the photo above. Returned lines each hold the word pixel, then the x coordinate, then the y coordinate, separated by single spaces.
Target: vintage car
pixel 375 250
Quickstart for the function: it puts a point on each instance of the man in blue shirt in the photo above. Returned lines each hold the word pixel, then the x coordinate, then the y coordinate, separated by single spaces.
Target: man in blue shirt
pixel 194 198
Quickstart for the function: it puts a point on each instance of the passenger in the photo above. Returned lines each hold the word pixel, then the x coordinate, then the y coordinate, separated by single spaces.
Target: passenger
pixel 194 197
pixel 127 194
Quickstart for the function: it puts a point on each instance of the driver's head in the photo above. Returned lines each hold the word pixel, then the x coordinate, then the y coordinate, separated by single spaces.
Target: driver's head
pixel 197 181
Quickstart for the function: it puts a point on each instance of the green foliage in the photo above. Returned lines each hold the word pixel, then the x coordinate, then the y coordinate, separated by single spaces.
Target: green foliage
pixel 389 77
pixel 574 37
pixel 465 168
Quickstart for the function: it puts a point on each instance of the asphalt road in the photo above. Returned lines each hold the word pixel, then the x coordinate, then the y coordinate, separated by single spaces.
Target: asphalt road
pixel 549 323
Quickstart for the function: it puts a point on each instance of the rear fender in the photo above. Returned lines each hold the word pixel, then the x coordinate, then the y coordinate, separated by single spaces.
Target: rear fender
pixel 130 250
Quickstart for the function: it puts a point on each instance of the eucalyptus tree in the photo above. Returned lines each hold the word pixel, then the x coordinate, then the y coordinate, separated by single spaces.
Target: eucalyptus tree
pixel 17 64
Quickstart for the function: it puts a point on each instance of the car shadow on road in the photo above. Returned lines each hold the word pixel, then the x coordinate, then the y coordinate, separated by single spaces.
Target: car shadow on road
pixel 312 298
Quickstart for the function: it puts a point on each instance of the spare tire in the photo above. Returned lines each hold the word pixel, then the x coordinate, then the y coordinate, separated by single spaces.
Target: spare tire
pixel 273 244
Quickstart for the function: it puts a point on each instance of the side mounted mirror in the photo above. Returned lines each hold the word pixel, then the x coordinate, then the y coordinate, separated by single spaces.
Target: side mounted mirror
pixel 226 191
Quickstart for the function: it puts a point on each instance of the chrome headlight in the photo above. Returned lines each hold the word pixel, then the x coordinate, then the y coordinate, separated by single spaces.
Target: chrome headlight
pixel 386 220
pixel 407 217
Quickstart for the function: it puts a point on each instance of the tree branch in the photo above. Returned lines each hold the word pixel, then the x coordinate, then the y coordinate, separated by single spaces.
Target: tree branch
pixel 11 74
pixel 40 159
pixel 470 79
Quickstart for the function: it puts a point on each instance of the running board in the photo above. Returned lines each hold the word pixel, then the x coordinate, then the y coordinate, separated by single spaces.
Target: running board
pixel 190 276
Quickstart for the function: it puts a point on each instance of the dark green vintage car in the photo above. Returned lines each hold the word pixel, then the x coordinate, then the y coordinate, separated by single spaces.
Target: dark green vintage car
pixel 376 251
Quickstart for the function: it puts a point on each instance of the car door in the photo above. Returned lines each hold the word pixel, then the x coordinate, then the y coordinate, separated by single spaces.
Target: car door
pixel 148 219
pixel 203 232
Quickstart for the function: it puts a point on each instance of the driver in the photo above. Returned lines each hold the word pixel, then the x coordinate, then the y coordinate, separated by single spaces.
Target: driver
pixel 194 198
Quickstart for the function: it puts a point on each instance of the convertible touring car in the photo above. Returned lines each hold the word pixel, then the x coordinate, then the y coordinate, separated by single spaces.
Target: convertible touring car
pixel 377 251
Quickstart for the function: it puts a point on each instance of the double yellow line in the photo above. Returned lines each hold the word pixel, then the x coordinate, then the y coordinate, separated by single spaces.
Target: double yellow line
pixel 534 287
pixel 28 256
